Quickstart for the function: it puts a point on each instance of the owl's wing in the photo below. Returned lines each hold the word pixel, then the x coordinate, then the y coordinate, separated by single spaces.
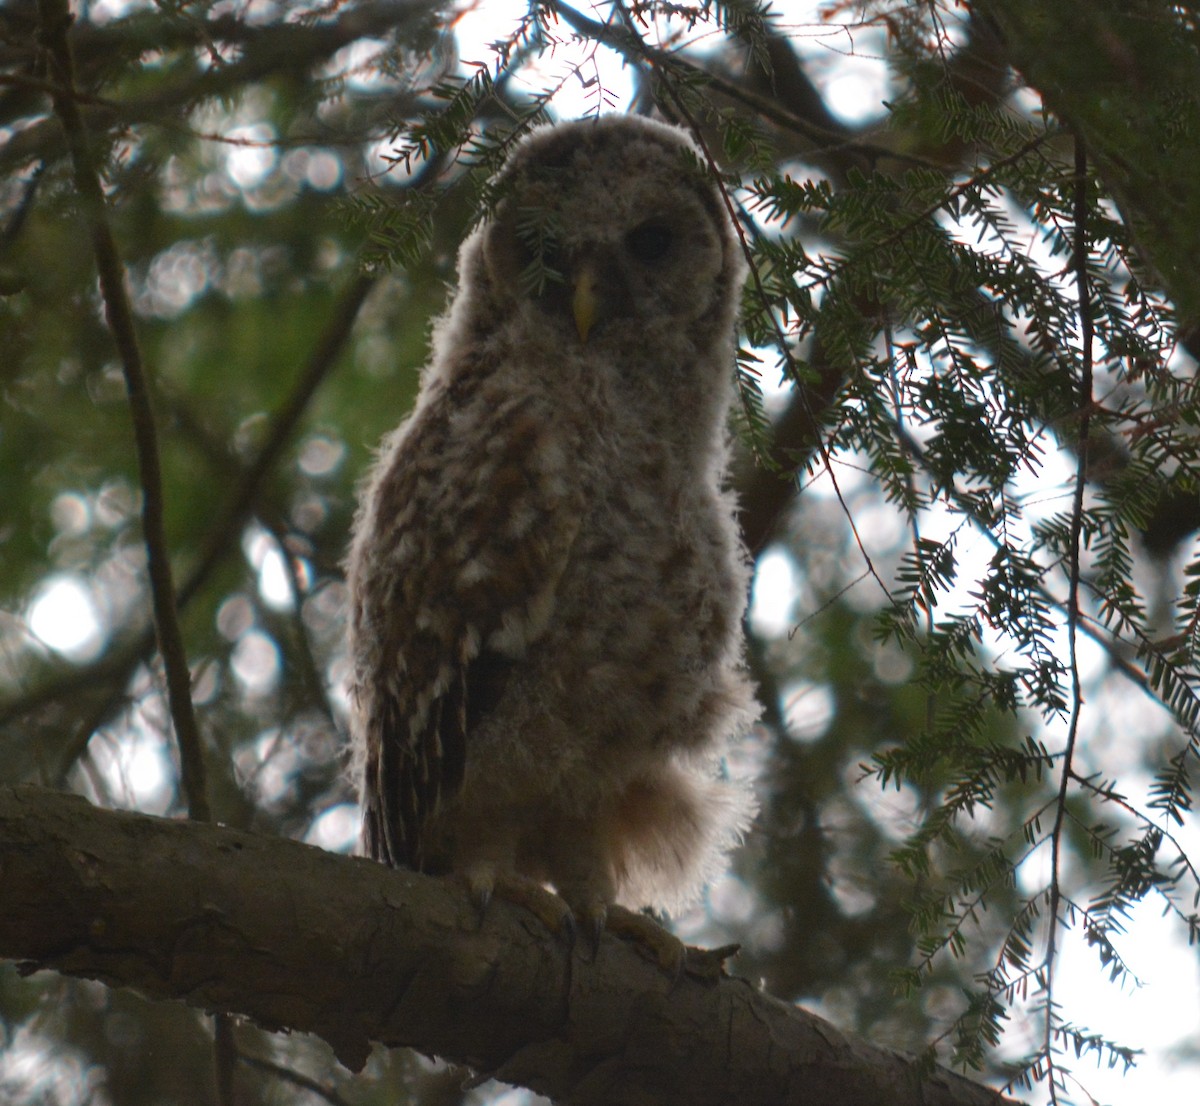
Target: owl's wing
pixel 454 578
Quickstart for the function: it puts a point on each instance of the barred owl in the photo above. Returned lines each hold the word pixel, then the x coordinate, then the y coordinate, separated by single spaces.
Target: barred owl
pixel 546 580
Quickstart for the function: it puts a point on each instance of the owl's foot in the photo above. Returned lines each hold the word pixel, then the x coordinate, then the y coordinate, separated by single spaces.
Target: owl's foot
pixel 649 938
pixel 665 949
pixel 485 883
pixel 595 912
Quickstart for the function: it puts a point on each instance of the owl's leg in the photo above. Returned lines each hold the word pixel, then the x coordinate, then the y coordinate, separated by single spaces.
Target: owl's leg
pixel 665 949
pixel 595 915
pixel 651 939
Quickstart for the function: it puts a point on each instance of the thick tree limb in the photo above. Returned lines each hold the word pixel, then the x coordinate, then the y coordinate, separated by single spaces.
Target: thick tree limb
pixel 297 938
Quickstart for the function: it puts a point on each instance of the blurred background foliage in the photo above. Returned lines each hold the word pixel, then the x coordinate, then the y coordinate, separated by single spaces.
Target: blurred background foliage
pixel 976 577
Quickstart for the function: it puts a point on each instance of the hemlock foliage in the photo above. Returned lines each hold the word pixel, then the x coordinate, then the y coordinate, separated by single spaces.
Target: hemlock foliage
pixel 968 410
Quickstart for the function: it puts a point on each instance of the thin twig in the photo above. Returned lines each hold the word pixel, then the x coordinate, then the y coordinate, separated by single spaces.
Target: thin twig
pixel 55 20
pixel 1083 291
pixel 1109 795
pixel 18 215
pixel 962 188
pixel 225 1057
pixel 930 600
pixel 1101 635
pixel 263 51
pixel 633 47
pixel 297 1078
pixel 780 337
pixel 323 357
pixel 117 670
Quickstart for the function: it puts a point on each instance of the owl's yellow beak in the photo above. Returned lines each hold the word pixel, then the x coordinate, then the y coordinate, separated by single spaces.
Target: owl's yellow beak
pixel 584 302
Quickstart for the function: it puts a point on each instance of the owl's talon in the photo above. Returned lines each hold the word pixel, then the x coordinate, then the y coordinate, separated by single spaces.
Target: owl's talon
pixel 544 905
pixel 570 929
pixel 594 925
pixel 589 909
pixel 481 884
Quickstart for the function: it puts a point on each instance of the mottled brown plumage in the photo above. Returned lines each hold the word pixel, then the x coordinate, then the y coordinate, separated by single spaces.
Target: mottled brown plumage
pixel 546 580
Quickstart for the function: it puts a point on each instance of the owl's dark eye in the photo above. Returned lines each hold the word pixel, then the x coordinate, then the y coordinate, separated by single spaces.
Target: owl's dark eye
pixel 650 241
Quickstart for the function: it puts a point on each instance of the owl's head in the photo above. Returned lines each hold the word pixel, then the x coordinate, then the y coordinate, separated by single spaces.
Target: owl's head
pixel 604 226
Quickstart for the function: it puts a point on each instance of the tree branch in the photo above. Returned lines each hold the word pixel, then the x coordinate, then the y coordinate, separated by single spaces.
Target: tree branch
pixel 1129 87
pixel 270 51
pixel 55 19
pixel 297 938
pixel 115 670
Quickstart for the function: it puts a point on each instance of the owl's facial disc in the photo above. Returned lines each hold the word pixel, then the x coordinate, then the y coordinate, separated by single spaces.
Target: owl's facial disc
pixel 598 266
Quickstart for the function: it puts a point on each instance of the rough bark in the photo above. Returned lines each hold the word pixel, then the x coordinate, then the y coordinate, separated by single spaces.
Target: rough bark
pixel 297 938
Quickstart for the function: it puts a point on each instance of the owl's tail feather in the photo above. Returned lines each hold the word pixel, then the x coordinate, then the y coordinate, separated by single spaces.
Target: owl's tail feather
pixel 671 832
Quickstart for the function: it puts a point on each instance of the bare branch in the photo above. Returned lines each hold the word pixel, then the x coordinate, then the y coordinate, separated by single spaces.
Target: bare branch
pixel 297 1078
pixel 55 19
pixel 356 953
pixel 115 670
pixel 1083 291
